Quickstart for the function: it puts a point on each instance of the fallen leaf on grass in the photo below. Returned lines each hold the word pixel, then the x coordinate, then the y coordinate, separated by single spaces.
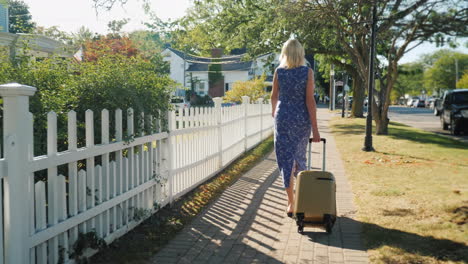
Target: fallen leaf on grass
pixel 368 162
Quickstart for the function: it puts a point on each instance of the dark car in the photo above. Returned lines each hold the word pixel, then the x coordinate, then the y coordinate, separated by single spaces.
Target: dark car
pixel 419 103
pixel 454 113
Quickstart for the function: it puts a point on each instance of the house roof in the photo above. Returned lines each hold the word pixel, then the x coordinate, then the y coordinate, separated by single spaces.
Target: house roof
pixel 203 67
pixel 198 59
pixel 35 42
pixel 200 64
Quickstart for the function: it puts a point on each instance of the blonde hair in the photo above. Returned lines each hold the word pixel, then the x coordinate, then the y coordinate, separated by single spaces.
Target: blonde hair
pixel 292 54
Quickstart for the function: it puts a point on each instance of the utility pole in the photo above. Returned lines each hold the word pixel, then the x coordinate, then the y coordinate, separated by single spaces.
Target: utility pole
pixel 368 139
pixel 456 72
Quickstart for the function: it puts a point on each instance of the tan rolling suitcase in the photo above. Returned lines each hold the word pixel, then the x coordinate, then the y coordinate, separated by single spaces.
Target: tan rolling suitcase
pixel 315 203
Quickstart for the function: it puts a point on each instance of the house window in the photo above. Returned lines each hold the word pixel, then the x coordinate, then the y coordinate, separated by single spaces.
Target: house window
pixel 201 86
pixel 227 87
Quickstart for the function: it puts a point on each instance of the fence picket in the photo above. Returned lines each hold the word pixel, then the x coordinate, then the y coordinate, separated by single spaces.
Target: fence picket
pixel 90 181
pixel 72 175
pixel 62 215
pixel 82 191
pixel 105 187
pixel 98 185
pixel 119 176
pixel 140 170
pixel 40 212
pixel 112 218
pixel 52 209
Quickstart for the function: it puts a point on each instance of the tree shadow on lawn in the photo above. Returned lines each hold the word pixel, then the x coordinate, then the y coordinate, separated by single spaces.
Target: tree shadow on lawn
pixel 376 236
pixel 403 132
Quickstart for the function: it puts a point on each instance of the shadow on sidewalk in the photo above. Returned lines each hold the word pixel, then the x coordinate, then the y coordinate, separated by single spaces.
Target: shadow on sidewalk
pixel 240 244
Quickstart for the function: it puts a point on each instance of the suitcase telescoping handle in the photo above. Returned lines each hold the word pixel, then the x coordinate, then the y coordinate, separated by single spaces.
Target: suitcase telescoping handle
pixel 324 140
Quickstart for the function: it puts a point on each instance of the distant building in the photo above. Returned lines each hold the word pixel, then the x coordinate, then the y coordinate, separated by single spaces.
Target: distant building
pixel 36 46
pixel 190 70
pixel 3 18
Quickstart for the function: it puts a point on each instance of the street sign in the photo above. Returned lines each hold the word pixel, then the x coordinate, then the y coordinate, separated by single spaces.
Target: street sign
pixel 339 83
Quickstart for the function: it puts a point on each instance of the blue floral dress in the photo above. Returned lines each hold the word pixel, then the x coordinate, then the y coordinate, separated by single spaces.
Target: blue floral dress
pixel 292 122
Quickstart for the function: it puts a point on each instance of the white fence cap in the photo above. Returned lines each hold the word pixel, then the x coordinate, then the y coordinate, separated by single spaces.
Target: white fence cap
pixel 16 89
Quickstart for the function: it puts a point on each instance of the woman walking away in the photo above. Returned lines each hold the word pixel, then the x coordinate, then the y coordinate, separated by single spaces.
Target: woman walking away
pixel 294 110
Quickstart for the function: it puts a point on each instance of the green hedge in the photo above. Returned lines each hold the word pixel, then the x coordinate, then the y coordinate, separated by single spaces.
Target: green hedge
pixel 112 82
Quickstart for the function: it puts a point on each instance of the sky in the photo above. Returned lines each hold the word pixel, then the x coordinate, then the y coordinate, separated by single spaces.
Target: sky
pixel 70 15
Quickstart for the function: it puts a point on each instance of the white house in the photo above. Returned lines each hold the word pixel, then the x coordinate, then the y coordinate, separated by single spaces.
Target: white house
pixel 187 69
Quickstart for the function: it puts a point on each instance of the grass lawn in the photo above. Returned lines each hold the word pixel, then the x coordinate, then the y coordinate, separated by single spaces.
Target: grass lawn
pixel 411 193
pixel 140 244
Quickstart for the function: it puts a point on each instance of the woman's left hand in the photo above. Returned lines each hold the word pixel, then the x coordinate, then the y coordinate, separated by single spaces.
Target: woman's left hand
pixel 316 137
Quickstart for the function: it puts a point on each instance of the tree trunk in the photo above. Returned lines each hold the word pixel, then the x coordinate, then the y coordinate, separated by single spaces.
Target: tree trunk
pixel 381 126
pixel 358 96
pixel 381 110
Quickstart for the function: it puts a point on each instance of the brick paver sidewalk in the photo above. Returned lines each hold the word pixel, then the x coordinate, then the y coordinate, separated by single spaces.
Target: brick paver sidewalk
pixel 248 223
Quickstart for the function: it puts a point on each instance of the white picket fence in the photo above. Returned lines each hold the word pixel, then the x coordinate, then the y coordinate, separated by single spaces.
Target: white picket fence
pixel 134 178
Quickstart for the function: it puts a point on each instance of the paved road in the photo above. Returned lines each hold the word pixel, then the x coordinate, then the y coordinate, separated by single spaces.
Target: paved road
pixel 422 118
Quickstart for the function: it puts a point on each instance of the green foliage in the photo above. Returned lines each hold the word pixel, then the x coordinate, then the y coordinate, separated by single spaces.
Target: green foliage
pixel 410 80
pixel 141 214
pixel 89 240
pixel 19 17
pixel 149 44
pixel 83 35
pixel 463 82
pixel 115 26
pixel 255 89
pixel 441 75
pixel 114 81
pixel 214 74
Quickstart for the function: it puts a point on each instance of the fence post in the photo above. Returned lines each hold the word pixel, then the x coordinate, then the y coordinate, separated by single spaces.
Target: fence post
pixel 169 153
pixel 245 103
pixel 217 103
pixel 18 144
pixel 260 101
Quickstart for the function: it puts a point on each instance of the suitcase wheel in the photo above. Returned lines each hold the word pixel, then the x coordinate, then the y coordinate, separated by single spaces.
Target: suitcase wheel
pixel 329 221
pixel 300 229
pixel 300 222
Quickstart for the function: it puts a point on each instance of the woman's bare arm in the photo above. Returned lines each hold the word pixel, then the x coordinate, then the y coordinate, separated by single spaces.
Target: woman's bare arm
pixel 311 106
pixel 274 94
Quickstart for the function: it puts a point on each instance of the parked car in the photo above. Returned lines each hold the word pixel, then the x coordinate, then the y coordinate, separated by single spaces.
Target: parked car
pixel 179 103
pixel 411 101
pixel 430 102
pixel 454 113
pixel 419 103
